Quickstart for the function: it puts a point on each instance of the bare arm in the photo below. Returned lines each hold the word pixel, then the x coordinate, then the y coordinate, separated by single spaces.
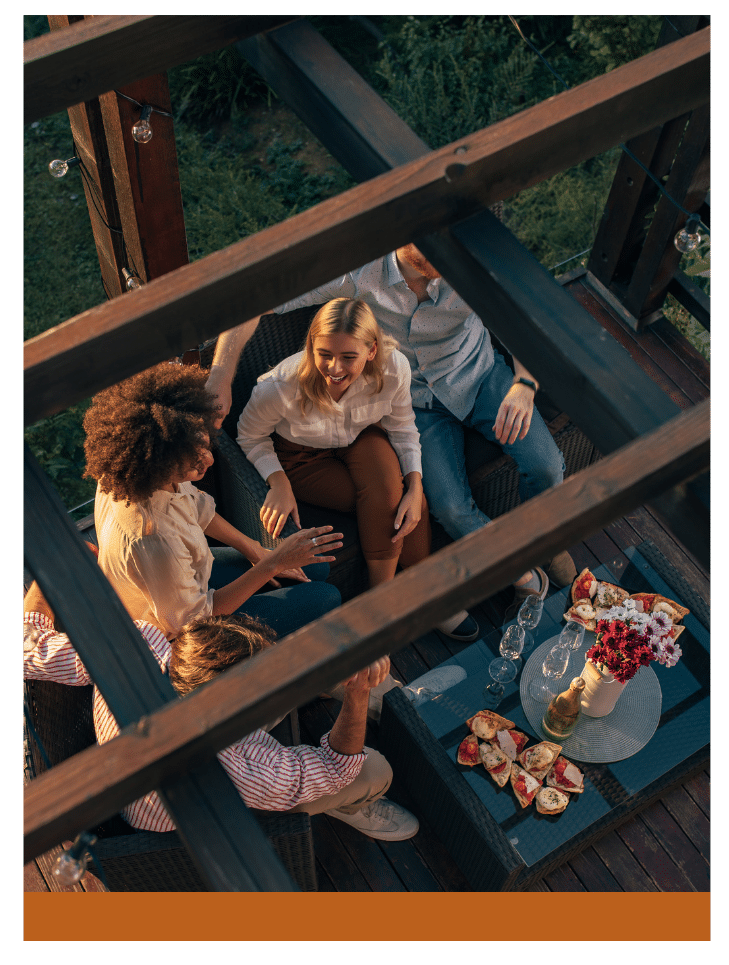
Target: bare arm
pixel 348 733
pixel 296 551
pixel 225 361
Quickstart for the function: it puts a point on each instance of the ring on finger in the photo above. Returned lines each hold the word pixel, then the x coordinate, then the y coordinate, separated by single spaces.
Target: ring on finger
pixel 313 540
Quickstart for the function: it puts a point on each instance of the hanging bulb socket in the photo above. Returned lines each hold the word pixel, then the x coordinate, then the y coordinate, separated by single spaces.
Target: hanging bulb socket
pixel 688 238
pixel 131 280
pixel 59 168
pixel 142 130
pixel 70 865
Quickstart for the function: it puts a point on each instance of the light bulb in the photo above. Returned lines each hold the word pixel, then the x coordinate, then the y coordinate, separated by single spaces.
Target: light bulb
pixel 142 130
pixel 132 281
pixel 68 870
pixel 70 865
pixel 59 168
pixel 688 238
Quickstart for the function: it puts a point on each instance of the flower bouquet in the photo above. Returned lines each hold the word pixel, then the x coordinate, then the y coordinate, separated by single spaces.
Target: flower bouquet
pixel 628 639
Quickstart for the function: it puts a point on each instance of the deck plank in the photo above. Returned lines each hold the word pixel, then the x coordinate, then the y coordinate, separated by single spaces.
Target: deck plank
pixel 676 841
pixel 687 814
pixel 592 872
pixel 622 865
pixel 652 857
pixel 562 879
pixel 369 858
pixel 699 787
pixel 334 857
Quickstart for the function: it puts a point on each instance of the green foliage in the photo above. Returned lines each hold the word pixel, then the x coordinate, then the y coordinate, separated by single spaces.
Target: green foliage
pixel 613 40
pixel 58 445
pixel 219 85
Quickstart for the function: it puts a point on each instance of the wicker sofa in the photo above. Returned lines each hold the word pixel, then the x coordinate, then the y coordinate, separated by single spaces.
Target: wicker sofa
pixel 239 490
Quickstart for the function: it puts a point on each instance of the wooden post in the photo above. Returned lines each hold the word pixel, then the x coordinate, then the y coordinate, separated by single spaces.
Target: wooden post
pixel 132 190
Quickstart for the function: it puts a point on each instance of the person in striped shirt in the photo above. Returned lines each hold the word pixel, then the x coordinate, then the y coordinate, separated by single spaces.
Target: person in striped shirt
pixel 341 777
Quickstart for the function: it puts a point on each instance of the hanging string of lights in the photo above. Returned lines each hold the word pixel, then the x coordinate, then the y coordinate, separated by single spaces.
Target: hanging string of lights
pixel 688 238
pixel 142 129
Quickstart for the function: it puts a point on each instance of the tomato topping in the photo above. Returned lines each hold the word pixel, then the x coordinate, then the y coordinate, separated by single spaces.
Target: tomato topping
pixel 499 767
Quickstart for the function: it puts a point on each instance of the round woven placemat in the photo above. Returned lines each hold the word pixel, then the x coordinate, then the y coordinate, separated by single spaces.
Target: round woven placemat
pixel 598 740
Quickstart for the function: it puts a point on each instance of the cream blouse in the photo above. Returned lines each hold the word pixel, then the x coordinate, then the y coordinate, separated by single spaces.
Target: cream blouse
pixel 155 555
pixel 274 406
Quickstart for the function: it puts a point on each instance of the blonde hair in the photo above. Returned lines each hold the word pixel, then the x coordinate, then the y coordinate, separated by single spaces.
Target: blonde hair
pixel 342 316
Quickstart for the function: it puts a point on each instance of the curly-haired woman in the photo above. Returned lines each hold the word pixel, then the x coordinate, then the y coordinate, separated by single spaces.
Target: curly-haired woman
pixel 147 441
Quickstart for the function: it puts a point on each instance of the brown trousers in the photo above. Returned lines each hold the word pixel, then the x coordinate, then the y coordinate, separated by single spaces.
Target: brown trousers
pixel 365 478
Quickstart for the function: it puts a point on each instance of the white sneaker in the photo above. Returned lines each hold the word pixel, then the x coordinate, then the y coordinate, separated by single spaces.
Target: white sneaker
pixel 382 819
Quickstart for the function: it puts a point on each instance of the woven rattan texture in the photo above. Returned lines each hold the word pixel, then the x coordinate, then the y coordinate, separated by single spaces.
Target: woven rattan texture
pixel 145 860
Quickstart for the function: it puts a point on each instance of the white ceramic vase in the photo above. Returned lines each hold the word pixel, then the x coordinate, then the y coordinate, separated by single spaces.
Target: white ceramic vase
pixel 601 692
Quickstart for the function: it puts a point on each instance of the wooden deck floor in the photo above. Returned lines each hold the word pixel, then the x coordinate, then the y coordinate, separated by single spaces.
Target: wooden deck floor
pixel 663 848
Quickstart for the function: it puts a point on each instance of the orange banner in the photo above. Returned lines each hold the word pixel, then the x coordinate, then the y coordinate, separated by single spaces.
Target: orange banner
pixel 432 916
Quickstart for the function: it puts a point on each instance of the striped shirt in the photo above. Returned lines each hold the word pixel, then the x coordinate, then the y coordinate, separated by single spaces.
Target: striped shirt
pixel 267 775
pixel 449 350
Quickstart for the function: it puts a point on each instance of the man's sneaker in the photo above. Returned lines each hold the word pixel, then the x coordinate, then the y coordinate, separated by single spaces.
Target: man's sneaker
pixel 382 819
pixel 461 627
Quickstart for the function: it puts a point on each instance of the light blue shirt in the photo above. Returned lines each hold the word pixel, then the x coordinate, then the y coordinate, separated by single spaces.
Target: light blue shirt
pixel 446 344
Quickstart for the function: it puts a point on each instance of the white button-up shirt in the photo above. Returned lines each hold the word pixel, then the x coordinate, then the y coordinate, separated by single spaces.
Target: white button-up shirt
pixel 446 344
pixel 274 407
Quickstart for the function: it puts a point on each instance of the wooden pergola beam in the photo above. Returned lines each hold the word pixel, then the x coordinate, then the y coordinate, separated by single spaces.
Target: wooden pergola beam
pixel 107 52
pixel 98 781
pixel 193 303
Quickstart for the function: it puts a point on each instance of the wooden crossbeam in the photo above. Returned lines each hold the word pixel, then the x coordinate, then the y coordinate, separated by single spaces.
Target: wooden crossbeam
pixel 89 786
pixel 107 52
pixel 195 302
pixel 224 840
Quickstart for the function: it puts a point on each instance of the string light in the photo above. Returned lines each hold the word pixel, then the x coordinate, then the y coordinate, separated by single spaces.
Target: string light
pixel 59 168
pixel 131 280
pixel 70 865
pixel 688 238
pixel 142 130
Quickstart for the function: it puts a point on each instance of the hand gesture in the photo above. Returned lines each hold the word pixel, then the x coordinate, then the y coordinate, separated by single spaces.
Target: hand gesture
pixel 515 414
pixel 410 509
pixel 279 504
pixel 370 677
pixel 303 548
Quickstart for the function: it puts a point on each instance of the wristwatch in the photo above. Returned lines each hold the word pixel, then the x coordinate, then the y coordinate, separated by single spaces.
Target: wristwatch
pixel 532 385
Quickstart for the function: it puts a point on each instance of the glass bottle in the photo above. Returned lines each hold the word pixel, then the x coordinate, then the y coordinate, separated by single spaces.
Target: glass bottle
pixel 563 712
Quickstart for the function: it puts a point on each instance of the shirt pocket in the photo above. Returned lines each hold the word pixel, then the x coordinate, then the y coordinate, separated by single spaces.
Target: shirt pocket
pixel 316 433
pixel 367 415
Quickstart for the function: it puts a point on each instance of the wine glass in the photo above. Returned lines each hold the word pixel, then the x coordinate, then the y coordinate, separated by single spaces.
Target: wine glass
pixel 553 668
pixel 572 635
pixel 501 671
pixel 528 617
pixel 512 644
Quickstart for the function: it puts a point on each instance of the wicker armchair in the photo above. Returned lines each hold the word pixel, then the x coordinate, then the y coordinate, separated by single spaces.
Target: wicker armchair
pixel 133 860
pixel 240 491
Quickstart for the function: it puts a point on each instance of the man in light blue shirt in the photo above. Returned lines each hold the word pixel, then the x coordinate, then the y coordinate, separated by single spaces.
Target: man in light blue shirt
pixel 457 380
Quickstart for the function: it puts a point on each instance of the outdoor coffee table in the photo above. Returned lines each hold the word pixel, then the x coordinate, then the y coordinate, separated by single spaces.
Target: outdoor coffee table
pixel 499 845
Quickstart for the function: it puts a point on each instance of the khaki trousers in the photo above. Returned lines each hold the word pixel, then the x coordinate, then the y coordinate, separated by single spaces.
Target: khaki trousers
pixel 369 785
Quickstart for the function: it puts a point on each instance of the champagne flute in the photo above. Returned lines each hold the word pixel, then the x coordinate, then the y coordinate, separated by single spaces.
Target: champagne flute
pixel 501 670
pixel 572 635
pixel 512 644
pixel 553 668
pixel 528 617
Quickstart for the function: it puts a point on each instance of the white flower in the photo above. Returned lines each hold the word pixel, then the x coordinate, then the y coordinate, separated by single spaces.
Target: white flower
pixel 660 622
pixel 672 654
pixel 616 613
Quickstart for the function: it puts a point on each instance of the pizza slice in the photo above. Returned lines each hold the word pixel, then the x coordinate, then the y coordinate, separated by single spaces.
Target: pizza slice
pixel 486 723
pixel 538 759
pixel 583 612
pixel 551 801
pixel 565 776
pixel 653 602
pixel 584 586
pixel 511 742
pixel 496 763
pixel 525 786
pixel 468 751
pixel 609 595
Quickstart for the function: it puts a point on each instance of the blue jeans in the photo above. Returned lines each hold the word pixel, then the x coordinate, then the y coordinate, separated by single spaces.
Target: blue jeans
pixel 445 482
pixel 284 610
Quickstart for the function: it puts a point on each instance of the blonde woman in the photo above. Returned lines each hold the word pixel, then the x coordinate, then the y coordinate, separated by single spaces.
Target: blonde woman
pixel 334 426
